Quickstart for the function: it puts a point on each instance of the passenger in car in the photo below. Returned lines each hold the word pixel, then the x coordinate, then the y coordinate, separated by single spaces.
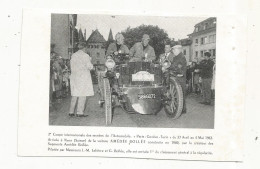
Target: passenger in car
pixel 118 47
pixel 142 51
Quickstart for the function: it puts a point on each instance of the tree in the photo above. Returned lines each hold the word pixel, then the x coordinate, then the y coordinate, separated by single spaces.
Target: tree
pixel 158 37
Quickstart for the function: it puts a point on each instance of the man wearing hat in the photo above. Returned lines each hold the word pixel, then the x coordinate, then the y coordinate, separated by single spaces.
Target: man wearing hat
pixel 80 80
pixel 206 72
pixel 142 50
pixel 118 46
pixel 179 64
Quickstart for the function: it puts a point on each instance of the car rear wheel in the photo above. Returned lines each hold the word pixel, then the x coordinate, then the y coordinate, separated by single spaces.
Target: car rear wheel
pixel 174 103
pixel 108 101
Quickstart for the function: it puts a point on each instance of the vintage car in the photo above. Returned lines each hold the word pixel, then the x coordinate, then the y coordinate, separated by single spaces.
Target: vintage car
pixel 139 87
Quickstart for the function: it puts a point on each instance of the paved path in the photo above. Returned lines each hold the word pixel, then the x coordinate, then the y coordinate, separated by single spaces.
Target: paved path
pixel 197 116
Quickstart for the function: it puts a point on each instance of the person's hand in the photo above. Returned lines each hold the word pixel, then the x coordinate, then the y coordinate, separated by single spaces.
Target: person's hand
pixel 179 75
pixel 116 53
pixel 163 69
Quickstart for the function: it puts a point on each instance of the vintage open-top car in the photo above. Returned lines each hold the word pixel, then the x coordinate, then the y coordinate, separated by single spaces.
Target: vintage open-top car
pixel 139 87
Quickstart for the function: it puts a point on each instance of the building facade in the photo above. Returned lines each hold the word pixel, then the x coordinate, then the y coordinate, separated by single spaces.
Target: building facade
pixel 62 34
pixel 96 47
pixel 203 39
pixel 186 48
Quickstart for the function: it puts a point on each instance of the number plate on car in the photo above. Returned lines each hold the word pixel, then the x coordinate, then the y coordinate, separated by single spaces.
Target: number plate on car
pixel 146 96
pixel 143 76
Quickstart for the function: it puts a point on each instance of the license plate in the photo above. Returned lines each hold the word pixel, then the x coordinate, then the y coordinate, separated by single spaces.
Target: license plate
pixel 146 96
pixel 143 76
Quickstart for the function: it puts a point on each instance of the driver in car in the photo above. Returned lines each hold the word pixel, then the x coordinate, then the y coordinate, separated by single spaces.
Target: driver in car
pixel 118 47
pixel 142 51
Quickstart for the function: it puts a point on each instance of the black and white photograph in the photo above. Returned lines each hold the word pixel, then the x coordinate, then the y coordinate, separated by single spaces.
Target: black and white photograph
pixel 132 71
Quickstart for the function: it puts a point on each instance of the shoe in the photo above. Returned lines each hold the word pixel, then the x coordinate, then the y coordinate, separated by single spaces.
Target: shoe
pixel 81 115
pixel 71 114
pixel 203 102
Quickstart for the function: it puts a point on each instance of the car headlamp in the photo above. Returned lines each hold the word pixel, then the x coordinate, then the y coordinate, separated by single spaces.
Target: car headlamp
pixel 110 63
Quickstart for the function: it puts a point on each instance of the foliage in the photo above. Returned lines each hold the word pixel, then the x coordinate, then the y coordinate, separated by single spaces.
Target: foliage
pixel 158 37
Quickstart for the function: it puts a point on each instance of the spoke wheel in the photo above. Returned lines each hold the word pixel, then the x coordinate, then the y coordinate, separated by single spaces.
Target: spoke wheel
pixel 174 104
pixel 101 86
pixel 108 101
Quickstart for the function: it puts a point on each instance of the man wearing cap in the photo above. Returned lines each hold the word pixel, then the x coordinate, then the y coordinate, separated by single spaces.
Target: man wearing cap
pixel 142 51
pixel 80 80
pixel 118 46
pixel 206 72
pixel 179 64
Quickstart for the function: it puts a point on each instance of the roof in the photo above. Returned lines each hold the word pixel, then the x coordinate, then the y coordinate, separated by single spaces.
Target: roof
pixel 110 36
pixel 206 20
pixel 185 42
pixel 203 32
pixel 205 26
pixel 96 37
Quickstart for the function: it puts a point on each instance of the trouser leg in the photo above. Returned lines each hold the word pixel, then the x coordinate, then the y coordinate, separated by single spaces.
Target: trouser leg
pixel 81 105
pixel 203 87
pixel 208 89
pixel 73 103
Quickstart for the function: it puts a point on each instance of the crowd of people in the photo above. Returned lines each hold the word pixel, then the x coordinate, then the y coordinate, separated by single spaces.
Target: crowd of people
pixel 74 76
pixel 59 78
pixel 201 78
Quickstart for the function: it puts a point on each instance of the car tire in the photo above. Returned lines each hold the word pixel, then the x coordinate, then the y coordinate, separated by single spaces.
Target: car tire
pixel 174 105
pixel 108 101
pixel 101 86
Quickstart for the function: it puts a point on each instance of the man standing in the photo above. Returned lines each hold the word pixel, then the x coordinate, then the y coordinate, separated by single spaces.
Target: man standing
pixel 142 50
pixel 118 47
pixel 179 64
pixel 206 72
pixel 80 80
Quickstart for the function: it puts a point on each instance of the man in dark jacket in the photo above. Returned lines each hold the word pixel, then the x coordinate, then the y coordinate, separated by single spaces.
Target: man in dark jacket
pixel 142 51
pixel 206 72
pixel 179 64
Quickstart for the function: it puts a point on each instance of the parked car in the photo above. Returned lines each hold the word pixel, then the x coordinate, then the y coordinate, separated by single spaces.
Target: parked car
pixel 139 87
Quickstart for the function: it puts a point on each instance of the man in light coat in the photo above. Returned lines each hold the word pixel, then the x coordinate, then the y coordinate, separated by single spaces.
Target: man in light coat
pixel 142 51
pixel 80 80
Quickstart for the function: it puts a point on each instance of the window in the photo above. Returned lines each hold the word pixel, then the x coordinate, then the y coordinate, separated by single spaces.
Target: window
pixel 196 54
pixel 214 52
pixel 201 53
pixel 212 38
pixel 201 41
pixel 196 41
pixel 206 25
pixel 205 39
pixel 184 51
pixel 98 54
pixel 196 29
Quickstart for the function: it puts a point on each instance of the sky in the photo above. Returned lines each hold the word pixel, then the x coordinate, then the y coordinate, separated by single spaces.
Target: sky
pixel 176 27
